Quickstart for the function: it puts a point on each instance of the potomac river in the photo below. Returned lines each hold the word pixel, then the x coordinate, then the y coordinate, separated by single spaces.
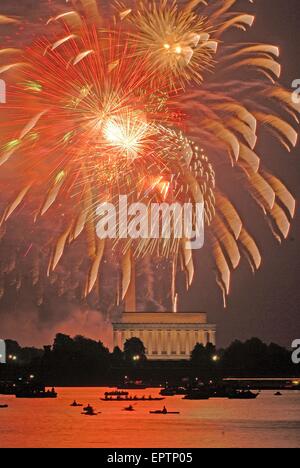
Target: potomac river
pixel 268 421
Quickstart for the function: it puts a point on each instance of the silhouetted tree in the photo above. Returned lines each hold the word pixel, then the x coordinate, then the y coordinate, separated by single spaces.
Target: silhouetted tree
pixel 82 361
pixel 22 356
pixel 279 360
pixel 134 349
pixel 117 357
pixel 199 355
pixel 62 343
pixel 210 350
pixel 254 358
pixel 76 360
pixel 202 358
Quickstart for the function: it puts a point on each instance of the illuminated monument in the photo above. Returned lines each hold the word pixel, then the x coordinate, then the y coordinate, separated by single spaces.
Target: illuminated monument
pixel 166 335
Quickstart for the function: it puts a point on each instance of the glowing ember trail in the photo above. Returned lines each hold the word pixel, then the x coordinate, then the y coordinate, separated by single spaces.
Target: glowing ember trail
pixel 146 101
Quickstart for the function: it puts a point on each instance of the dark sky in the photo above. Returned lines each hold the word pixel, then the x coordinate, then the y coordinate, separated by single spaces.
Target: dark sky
pixel 266 305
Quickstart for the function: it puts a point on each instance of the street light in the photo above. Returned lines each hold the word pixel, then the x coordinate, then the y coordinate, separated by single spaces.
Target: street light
pixel 136 357
pixel 215 358
pixel 12 357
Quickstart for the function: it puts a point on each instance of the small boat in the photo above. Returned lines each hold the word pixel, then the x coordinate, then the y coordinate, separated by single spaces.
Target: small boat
pixel 36 394
pixel 132 385
pixel 3 406
pixel 278 394
pixel 89 411
pixel 88 408
pixel 116 393
pixel 164 411
pixel 130 398
pixel 243 395
pixel 7 388
pixel 129 408
pixel 197 394
pixel 167 392
pixel 75 404
pixel 218 392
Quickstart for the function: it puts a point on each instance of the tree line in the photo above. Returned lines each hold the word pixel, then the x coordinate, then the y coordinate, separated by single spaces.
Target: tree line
pixel 82 361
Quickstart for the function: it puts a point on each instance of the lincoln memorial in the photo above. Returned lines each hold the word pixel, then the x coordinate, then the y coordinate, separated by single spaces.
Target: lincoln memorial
pixel 166 336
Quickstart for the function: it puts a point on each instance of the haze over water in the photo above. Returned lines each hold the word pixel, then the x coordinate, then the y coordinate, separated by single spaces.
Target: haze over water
pixel 268 421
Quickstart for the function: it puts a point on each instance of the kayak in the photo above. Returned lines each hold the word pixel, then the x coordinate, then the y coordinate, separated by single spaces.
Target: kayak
pixel 164 412
pixel 132 399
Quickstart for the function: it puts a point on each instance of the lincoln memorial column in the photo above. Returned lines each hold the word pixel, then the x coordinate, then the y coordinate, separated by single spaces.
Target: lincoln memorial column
pixel 178 345
pixel 154 341
pixel 212 337
pixel 159 342
pixel 187 343
pixel 192 340
pixel 150 339
pixel 144 339
pixel 120 339
pixel 163 341
pixel 206 337
pixel 182 342
pixel 173 342
pixel 169 342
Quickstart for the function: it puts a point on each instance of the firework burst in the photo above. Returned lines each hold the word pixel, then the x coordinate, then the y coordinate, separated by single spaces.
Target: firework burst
pixel 148 108
pixel 176 39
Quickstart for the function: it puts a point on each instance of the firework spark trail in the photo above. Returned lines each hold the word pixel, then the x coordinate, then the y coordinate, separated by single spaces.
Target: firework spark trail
pixel 144 105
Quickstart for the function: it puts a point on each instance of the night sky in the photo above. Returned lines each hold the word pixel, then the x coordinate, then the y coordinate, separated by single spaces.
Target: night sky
pixel 266 305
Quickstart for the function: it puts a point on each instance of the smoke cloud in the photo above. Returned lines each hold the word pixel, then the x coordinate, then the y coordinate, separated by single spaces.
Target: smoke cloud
pixel 27 327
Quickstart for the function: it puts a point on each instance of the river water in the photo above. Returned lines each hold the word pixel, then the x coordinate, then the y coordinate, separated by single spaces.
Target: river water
pixel 268 421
